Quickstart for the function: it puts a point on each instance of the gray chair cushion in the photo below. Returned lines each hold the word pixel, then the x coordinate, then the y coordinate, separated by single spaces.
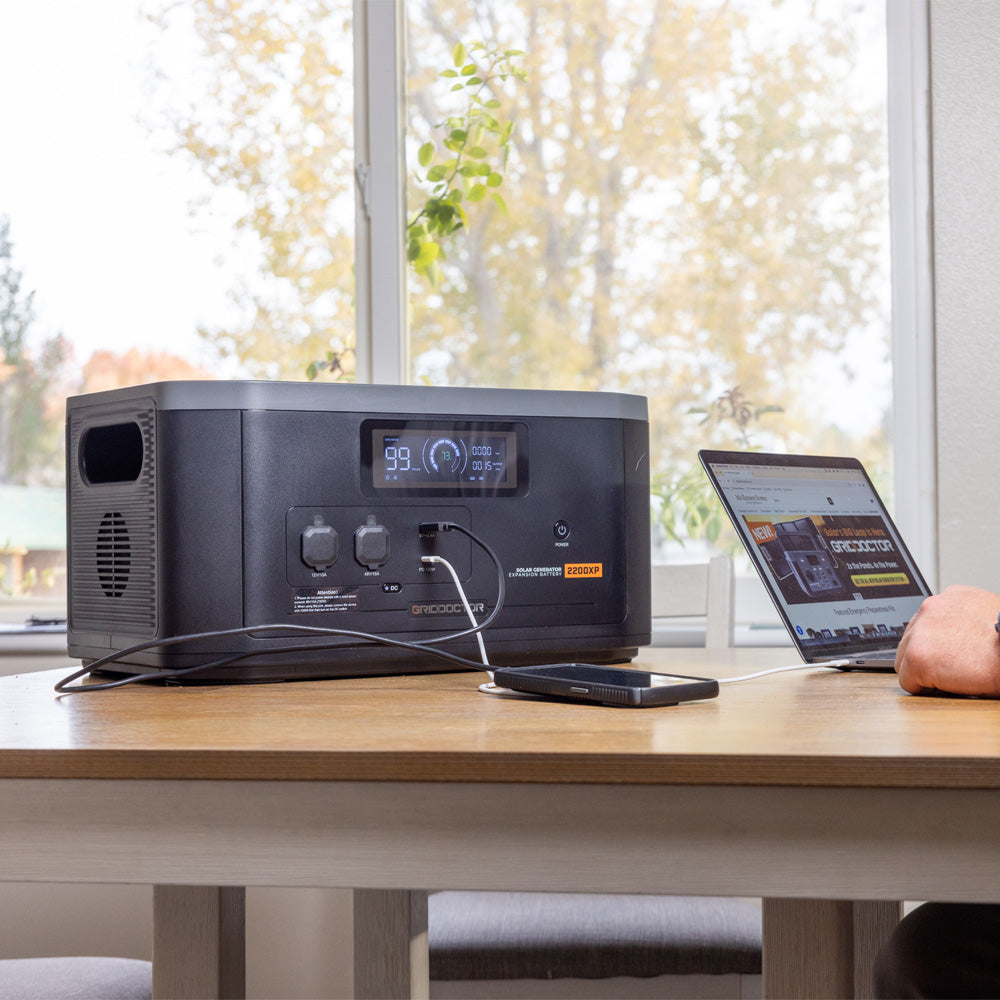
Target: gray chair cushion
pixel 536 935
pixel 75 979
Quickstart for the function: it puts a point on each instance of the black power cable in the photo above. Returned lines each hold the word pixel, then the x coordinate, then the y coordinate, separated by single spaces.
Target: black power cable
pixel 425 646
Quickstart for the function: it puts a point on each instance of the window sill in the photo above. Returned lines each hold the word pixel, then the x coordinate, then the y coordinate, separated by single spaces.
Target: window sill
pixel 691 632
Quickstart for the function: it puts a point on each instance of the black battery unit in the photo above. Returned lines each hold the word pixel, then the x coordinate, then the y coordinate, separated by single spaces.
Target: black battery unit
pixel 199 508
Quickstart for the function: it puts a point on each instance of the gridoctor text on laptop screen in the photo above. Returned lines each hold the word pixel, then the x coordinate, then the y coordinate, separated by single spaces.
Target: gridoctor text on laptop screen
pixel 825 547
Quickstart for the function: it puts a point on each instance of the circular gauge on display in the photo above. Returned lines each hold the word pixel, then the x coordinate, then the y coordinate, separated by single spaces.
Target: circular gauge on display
pixel 444 457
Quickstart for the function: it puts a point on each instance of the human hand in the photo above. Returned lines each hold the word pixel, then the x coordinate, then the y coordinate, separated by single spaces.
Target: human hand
pixel 951 645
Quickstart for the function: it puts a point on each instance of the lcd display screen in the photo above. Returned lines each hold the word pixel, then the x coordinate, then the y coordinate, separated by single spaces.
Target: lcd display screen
pixel 424 458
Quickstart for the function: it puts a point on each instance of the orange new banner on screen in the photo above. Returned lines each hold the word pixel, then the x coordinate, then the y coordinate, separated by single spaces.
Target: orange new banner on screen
pixel 761 531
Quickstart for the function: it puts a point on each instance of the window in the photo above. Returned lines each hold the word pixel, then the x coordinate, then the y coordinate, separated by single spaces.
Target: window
pixel 694 207
pixel 690 203
pixel 182 207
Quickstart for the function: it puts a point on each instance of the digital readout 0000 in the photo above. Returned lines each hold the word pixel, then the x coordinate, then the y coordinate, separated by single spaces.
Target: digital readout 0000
pixel 431 458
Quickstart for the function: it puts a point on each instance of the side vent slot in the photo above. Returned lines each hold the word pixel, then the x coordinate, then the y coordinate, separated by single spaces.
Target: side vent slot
pixel 114 554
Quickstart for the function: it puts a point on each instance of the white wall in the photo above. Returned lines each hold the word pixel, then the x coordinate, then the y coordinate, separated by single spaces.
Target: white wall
pixel 965 142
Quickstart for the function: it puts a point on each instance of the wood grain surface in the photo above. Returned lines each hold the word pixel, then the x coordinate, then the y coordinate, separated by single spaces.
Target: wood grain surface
pixel 807 728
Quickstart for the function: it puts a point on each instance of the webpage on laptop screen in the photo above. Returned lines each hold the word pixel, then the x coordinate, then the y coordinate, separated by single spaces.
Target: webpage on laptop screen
pixel 837 567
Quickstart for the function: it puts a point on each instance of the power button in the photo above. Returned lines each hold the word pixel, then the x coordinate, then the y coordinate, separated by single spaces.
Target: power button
pixel 561 530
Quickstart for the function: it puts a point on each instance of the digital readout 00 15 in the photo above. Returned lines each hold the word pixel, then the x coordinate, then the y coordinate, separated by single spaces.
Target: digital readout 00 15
pixel 621 686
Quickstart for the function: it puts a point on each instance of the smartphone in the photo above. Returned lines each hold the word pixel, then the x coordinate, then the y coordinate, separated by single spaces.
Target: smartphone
pixel 621 686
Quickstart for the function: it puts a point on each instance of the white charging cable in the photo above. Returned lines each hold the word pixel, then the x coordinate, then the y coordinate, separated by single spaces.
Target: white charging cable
pixel 465 603
pixel 779 670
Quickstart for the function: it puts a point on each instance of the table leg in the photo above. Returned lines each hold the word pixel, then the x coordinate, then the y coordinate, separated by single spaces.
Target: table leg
pixel 199 942
pixel 390 944
pixel 823 948
pixel 874 921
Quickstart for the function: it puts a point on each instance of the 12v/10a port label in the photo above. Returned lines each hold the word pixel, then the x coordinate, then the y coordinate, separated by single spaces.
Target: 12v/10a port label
pixel 323 600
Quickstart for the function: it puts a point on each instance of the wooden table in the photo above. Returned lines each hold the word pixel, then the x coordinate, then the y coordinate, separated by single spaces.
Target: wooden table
pixel 825 793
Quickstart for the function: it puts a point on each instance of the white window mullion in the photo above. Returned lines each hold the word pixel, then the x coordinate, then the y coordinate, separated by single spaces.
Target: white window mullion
pixel 914 420
pixel 380 213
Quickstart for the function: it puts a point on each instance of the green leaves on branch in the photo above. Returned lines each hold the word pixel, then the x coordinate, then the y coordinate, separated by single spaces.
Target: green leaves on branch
pixel 684 503
pixel 733 408
pixel 465 162
pixel 686 506
pixel 339 363
pixel 462 165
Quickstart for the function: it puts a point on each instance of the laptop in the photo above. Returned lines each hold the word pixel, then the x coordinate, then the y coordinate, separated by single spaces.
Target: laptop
pixel 830 557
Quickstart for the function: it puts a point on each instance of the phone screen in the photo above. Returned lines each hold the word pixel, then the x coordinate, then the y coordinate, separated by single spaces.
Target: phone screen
pixel 608 685
pixel 618 676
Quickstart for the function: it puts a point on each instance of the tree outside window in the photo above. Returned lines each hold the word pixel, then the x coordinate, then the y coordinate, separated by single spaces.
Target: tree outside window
pixel 697 209
pixel 680 198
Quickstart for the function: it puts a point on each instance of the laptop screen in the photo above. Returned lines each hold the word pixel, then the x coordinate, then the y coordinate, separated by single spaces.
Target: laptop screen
pixel 824 546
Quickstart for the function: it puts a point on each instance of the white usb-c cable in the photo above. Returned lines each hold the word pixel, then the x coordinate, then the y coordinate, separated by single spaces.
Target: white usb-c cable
pixel 465 603
pixel 778 670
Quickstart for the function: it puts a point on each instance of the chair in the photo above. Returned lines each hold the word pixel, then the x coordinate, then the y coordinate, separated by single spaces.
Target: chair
pixel 510 944
pixel 75 979
pixel 537 944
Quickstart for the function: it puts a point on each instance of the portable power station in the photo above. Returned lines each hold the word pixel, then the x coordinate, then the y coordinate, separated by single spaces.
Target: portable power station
pixel 207 509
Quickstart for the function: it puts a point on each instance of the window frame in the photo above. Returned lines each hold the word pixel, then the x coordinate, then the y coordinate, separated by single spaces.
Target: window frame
pixel 381 330
pixel 914 419
pixel 382 336
pixel 382 327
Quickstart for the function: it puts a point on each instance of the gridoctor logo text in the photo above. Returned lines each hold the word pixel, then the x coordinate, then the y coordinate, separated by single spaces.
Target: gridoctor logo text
pixel 439 608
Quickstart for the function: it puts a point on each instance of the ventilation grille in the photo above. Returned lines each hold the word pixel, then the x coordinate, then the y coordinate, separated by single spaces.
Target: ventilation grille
pixel 112 545
pixel 114 554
